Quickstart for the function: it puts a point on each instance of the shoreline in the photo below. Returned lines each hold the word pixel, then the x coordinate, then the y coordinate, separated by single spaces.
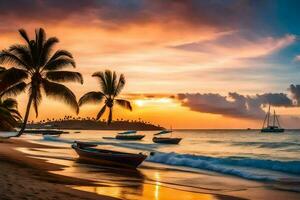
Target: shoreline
pixel 88 124
pixel 43 179
pixel 36 181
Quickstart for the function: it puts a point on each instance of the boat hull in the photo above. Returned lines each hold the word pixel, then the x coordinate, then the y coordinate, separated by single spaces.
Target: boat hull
pixel 268 130
pixel 130 137
pixel 109 158
pixel 166 140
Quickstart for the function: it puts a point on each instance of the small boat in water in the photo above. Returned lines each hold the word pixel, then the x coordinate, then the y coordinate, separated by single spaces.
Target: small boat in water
pixel 165 140
pixel 129 135
pixel 87 152
pixel 274 127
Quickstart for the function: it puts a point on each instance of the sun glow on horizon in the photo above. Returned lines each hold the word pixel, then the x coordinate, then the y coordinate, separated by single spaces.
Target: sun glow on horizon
pixel 153 101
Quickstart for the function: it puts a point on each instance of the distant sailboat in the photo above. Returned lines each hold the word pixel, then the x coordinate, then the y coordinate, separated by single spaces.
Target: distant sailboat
pixel 271 127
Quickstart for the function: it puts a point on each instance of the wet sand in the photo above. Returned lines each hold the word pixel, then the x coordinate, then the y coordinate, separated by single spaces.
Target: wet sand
pixel 26 177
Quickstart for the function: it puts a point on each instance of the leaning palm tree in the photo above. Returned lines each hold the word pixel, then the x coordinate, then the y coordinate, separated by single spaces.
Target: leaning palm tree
pixel 110 89
pixel 37 68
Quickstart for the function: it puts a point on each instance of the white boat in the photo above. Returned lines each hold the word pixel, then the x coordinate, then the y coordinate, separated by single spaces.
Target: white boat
pixel 271 124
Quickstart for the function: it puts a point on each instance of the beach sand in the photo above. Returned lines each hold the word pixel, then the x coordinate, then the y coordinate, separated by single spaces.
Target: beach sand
pixel 26 177
pixel 22 177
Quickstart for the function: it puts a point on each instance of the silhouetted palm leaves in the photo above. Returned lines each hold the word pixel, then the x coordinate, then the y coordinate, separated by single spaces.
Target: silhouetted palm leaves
pixel 9 115
pixel 37 69
pixel 110 89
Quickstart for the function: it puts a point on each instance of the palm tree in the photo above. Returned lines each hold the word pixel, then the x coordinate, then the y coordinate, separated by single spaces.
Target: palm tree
pixel 9 115
pixel 37 69
pixel 110 89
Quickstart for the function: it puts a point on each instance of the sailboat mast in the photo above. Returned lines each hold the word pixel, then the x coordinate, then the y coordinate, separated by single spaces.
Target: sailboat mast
pixel 278 121
pixel 274 118
pixel 264 121
pixel 268 116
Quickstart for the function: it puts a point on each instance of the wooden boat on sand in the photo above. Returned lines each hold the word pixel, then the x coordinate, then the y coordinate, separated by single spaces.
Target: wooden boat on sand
pixel 87 152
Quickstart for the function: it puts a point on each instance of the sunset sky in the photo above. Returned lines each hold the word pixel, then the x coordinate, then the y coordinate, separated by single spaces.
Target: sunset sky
pixel 188 63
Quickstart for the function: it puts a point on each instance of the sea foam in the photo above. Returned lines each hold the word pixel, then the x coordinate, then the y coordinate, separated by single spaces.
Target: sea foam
pixel 243 167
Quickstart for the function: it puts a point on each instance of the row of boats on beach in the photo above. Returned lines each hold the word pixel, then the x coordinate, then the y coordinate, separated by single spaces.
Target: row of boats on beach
pixel 89 153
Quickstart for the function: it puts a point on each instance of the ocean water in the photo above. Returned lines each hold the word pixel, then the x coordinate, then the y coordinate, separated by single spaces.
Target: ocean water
pixel 246 154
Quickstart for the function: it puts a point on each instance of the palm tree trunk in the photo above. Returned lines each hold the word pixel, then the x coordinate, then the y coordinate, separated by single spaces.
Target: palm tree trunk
pixel 109 120
pixel 26 116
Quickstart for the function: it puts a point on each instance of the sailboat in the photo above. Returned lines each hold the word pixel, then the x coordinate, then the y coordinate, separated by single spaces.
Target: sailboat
pixel 165 140
pixel 272 125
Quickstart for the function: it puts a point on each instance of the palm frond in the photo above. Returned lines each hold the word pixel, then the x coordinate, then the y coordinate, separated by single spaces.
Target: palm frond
pixel 60 92
pixel 103 83
pixel 10 103
pixel 114 82
pixel 22 52
pixel 7 120
pixel 14 90
pixel 40 38
pixel 64 76
pixel 120 85
pixel 110 82
pixel 61 53
pixel 91 97
pixel 9 116
pixel 7 57
pixel 124 103
pixel 12 76
pixel 24 35
pixel 59 63
pixel 47 48
pixel 15 113
pixel 101 112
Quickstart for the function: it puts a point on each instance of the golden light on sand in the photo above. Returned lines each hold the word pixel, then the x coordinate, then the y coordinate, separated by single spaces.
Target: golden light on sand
pixel 156 192
pixel 157 185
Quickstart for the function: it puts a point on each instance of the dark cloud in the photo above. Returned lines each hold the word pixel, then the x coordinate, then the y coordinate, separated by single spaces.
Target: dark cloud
pixel 275 99
pixel 42 10
pixel 234 105
pixel 226 13
pixel 295 90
